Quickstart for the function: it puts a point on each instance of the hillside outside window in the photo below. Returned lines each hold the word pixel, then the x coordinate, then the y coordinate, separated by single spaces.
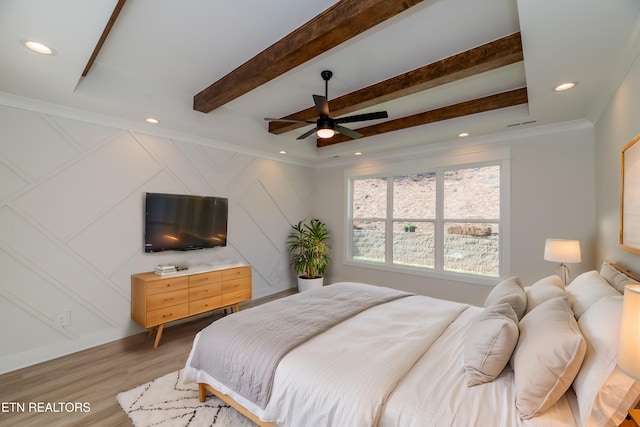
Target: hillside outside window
pixel 443 220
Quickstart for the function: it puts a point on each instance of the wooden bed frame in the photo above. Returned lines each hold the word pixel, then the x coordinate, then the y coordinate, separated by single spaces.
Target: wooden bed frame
pixel 202 390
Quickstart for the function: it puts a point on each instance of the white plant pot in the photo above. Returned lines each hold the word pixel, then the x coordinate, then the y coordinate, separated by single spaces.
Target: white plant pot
pixel 306 284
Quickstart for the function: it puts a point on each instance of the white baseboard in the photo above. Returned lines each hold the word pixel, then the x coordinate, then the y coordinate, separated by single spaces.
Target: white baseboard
pixel 62 348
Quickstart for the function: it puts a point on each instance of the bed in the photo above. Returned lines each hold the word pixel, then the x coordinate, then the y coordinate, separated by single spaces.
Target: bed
pixel 353 354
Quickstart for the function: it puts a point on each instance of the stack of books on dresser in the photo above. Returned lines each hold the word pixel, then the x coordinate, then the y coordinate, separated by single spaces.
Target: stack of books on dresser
pixel 164 269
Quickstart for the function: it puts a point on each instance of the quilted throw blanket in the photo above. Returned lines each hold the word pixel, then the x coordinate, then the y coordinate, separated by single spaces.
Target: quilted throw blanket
pixel 243 350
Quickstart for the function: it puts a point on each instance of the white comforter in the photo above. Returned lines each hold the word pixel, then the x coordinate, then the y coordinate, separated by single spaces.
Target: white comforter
pixel 398 364
pixel 344 376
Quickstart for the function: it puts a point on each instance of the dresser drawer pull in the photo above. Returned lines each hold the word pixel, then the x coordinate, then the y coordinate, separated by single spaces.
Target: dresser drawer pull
pixel 168 315
pixel 169 299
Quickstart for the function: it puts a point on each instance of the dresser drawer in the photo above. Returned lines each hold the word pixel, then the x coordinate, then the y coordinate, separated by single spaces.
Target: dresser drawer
pixel 206 291
pixel 168 284
pixel 236 285
pixel 205 278
pixel 236 273
pixel 169 314
pixel 236 297
pixel 167 299
pixel 205 304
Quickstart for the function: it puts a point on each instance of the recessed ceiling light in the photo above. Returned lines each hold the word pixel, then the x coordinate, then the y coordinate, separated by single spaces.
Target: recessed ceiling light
pixel 463 134
pixel 564 86
pixel 152 120
pixel 38 47
pixel 282 152
pixel 357 153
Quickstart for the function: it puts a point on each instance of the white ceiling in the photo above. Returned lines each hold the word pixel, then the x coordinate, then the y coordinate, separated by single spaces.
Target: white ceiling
pixel 160 53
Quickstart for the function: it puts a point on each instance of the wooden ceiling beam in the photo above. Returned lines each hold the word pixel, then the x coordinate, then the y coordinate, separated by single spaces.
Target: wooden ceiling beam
pixel 335 25
pixel 496 54
pixel 105 33
pixel 474 106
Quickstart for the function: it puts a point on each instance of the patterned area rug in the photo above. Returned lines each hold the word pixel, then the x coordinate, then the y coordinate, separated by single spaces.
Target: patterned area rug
pixel 166 402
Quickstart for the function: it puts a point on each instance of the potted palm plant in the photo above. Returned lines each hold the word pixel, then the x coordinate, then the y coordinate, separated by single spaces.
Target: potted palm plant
pixel 309 252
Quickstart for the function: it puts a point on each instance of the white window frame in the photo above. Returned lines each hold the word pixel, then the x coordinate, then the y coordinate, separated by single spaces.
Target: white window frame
pixel 438 164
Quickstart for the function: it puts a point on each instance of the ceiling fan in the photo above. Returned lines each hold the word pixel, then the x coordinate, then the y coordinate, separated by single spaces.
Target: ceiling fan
pixel 326 126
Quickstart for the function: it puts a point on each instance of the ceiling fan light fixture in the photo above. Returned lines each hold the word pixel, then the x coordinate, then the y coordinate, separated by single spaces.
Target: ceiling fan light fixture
pixel 326 128
pixel 325 133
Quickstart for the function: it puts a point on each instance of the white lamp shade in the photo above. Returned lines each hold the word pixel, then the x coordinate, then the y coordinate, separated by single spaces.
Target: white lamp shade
pixel 561 250
pixel 629 350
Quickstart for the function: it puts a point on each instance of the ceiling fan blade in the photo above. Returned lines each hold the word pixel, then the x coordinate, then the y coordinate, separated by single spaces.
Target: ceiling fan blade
pixel 348 132
pixel 322 106
pixel 288 120
pixel 363 117
pixel 306 134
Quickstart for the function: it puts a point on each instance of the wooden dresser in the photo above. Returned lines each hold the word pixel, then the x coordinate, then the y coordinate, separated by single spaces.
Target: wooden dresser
pixel 157 300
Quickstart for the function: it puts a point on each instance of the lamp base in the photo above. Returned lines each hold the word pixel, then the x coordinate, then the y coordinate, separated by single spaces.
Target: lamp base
pixel 563 272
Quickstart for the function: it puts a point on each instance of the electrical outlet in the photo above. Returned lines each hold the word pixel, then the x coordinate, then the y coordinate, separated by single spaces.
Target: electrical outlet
pixel 63 319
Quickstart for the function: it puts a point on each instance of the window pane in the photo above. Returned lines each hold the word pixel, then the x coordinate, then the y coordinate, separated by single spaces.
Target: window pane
pixel 472 248
pixel 472 193
pixel 414 196
pixel 413 243
pixel 368 241
pixel 370 198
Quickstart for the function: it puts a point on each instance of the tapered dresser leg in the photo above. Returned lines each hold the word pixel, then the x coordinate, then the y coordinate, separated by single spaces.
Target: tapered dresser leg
pixel 158 335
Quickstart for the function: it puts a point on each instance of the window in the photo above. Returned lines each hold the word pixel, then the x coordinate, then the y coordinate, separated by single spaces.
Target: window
pixel 445 220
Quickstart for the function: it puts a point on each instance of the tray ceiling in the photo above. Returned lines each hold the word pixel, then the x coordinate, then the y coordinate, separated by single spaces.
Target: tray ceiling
pixel 160 54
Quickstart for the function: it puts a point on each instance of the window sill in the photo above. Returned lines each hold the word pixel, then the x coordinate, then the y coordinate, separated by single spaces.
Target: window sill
pixel 424 272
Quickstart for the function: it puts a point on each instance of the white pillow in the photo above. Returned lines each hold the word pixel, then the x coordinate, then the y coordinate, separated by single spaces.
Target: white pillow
pixel 543 290
pixel 600 391
pixel 490 343
pixel 586 289
pixel 547 357
pixel 509 291
pixel 617 276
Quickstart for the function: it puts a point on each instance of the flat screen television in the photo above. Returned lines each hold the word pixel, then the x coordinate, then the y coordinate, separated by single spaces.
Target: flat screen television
pixel 180 222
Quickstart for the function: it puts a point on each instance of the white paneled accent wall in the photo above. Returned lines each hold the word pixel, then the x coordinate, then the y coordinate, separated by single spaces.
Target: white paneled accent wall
pixel 71 225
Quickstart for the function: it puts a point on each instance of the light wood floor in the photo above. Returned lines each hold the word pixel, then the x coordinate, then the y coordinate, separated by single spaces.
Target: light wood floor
pixel 98 374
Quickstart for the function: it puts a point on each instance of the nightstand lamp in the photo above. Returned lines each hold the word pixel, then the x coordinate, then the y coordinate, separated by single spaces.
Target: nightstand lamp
pixel 562 251
pixel 629 347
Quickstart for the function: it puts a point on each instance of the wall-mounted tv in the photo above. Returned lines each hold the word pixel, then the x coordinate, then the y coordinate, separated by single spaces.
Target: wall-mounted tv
pixel 179 222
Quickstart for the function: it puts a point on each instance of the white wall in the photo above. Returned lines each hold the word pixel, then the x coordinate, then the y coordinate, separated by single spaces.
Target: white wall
pixel 71 211
pixel 618 124
pixel 552 195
